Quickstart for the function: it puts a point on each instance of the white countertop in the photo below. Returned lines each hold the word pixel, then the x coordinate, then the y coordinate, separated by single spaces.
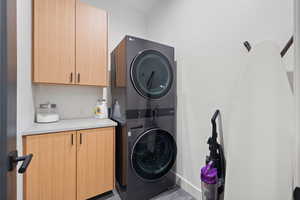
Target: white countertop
pixel 69 125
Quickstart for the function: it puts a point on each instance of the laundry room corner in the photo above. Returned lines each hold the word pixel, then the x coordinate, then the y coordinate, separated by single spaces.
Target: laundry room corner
pixel 209 63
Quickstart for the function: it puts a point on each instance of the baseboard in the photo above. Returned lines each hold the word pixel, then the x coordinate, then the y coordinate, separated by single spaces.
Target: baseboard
pixel 188 186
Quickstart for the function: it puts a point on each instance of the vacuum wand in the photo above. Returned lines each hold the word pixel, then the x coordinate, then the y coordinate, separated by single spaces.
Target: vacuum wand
pixel 214 124
pixel 213 143
pixel 213 119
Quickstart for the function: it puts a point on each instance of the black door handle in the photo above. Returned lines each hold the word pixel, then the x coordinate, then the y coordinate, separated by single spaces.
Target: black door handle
pixel 13 159
pixel 26 161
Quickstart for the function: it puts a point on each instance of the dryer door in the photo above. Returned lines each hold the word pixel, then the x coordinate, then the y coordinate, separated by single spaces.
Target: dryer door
pixel 151 74
pixel 153 154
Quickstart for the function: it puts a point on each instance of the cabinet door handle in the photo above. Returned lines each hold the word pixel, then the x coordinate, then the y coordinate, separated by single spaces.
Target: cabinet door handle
pixel 72 139
pixel 80 138
pixel 71 77
pixel 78 78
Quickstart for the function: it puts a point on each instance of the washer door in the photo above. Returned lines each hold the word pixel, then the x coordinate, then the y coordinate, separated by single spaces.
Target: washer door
pixel 154 154
pixel 151 74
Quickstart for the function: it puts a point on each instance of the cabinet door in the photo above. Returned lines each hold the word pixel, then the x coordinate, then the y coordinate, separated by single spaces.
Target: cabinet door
pixel 91 45
pixel 95 162
pixel 54 41
pixel 52 173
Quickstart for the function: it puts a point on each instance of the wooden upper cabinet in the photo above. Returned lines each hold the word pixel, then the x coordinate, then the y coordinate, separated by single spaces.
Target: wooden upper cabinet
pixel 95 162
pixel 52 171
pixel 69 43
pixel 91 45
pixel 53 41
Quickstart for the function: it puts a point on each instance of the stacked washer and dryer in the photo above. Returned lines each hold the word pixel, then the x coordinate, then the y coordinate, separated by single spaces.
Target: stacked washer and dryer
pixel 143 76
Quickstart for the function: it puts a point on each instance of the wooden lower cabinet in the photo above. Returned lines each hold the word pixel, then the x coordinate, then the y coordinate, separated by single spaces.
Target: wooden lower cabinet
pixel 52 172
pixel 74 165
pixel 95 162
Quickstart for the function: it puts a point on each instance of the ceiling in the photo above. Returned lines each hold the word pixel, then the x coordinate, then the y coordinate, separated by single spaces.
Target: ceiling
pixel 142 5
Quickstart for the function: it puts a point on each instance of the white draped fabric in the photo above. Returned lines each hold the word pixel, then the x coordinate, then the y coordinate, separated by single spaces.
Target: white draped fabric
pixel 261 130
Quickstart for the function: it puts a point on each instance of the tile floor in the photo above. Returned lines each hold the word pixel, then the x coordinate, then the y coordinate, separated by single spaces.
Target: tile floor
pixel 174 194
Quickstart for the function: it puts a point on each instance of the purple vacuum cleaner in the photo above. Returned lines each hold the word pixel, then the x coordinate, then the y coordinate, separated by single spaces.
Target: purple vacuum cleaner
pixel 214 172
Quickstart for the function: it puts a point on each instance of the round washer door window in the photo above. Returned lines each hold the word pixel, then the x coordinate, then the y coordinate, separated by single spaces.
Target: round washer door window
pixel 154 154
pixel 151 74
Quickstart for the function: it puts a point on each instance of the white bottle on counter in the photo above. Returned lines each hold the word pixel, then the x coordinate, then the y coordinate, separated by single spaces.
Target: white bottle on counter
pixel 117 111
pixel 101 111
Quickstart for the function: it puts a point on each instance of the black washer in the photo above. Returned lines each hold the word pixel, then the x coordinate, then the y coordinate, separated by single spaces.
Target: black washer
pixel 154 154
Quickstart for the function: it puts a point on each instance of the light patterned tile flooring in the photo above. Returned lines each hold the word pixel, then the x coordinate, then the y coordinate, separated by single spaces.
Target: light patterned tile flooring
pixel 174 194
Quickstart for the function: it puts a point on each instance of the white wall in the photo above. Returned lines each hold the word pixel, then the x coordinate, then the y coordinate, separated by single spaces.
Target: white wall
pixel 297 88
pixel 208 37
pixel 72 101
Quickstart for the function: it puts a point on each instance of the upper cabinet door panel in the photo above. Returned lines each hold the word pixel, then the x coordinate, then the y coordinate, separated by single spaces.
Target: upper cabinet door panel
pixel 54 41
pixel 91 45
